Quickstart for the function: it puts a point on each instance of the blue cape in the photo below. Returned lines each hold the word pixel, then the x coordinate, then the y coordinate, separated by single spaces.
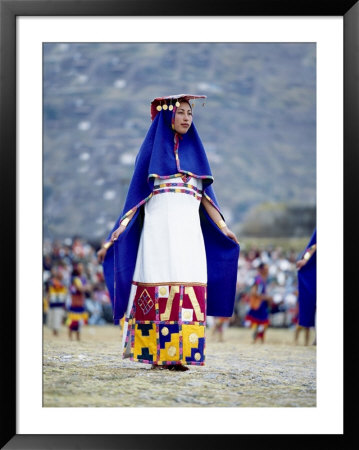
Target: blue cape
pixel 158 157
pixel 307 288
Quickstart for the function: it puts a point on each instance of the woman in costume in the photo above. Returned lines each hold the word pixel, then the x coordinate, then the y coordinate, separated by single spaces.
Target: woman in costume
pixel 56 299
pixel 258 315
pixel 77 314
pixel 307 289
pixel 170 259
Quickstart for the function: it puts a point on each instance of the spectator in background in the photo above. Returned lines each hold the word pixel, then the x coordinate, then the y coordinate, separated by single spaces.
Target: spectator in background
pixel 47 263
pixel 78 249
pixel 258 315
pixel 307 289
pixel 77 314
pixel 56 300
pixel 65 270
pixel 100 301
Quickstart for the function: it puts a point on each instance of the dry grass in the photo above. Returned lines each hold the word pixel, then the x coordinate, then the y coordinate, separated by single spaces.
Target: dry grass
pixel 91 373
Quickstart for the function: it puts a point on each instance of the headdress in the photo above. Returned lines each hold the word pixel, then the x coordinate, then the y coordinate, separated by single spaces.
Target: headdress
pixel 171 102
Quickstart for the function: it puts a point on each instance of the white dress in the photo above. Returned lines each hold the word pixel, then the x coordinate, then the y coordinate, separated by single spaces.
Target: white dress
pixel 165 318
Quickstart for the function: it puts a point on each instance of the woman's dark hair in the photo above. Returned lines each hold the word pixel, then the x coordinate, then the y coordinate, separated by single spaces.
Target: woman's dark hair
pixel 185 101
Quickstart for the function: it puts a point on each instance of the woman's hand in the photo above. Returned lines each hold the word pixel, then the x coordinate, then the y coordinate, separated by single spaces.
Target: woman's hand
pixel 114 236
pixel 302 262
pixel 230 234
pixel 116 233
pixel 101 255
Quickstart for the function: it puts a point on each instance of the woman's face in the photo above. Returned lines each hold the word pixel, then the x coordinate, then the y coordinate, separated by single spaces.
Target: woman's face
pixel 183 118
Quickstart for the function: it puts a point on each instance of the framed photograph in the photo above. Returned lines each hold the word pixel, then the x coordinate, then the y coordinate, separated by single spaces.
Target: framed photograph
pixel 31 34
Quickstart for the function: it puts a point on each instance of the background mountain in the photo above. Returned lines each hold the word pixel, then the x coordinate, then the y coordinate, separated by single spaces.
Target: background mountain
pixel 258 126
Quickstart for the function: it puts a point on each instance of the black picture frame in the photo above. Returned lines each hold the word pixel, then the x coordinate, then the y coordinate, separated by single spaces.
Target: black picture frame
pixel 9 10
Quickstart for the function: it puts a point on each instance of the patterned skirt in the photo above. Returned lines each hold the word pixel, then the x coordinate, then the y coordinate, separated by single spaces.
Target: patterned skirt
pixel 166 315
pixel 258 316
pixel 76 317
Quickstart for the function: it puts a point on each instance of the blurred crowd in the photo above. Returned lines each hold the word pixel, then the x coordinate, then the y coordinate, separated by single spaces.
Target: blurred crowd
pixel 61 258
pixel 282 284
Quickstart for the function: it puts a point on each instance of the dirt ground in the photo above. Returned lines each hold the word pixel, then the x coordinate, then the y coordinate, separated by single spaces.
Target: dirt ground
pixel 91 372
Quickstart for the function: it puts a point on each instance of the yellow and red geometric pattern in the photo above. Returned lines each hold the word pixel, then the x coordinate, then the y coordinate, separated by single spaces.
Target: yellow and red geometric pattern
pixel 167 323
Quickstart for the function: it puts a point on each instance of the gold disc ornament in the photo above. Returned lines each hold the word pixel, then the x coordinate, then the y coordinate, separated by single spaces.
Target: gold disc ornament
pixel 165 107
pixel 159 107
pixel 170 107
pixel 177 103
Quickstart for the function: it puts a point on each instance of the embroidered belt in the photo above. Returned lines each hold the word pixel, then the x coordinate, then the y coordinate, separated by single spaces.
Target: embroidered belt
pixel 187 185
pixel 178 188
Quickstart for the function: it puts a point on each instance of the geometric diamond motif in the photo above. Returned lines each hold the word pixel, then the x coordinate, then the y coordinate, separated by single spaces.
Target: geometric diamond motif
pixel 145 302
